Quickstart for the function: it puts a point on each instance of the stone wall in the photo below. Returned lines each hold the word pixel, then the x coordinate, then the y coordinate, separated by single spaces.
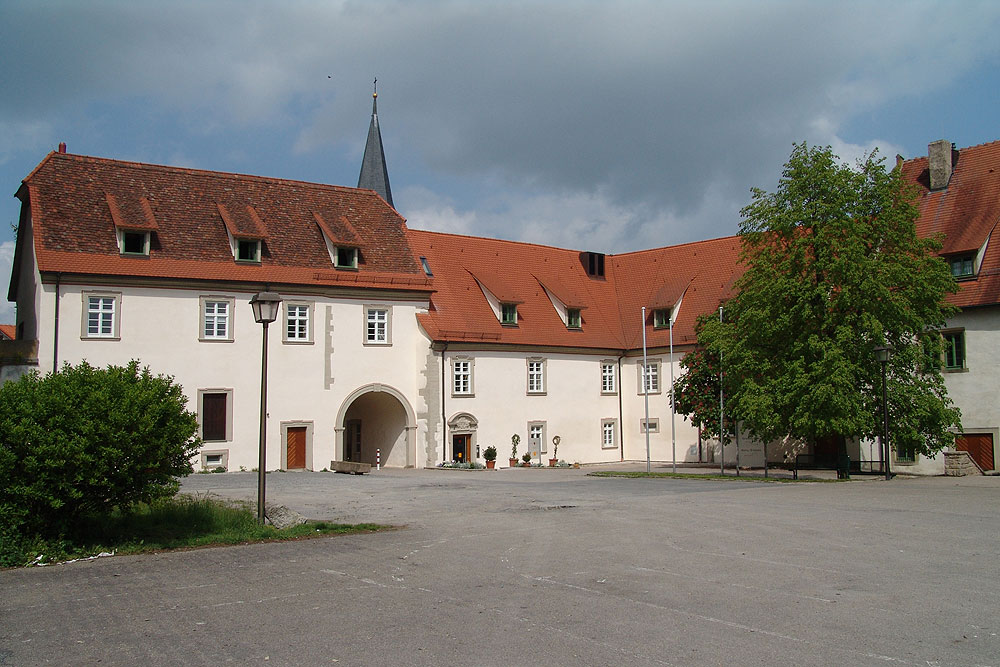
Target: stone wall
pixel 960 464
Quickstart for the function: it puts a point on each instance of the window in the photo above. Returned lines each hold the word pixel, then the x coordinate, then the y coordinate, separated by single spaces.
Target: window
pixel 215 415
pixel 377 325
pixel 608 379
pixel 248 250
pixel 954 350
pixel 536 438
pixel 347 258
pixel 661 318
pixel 101 315
pixel 651 375
pixel 609 433
pixel 214 458
pixel 654 426
pixel 426 267
pixel 594 264
pixel 508 313
pixel 573 319
pixel 461 377
pixel 215 318
pixel 961 267
pixel 297 329
pixel 906 454
pixel 536 376
pixel 134 243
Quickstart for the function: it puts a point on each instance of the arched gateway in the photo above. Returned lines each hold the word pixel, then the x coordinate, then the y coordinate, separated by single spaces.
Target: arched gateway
pixel 377 417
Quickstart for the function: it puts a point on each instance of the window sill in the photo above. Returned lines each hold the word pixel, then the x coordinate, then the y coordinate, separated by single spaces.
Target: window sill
pixel 954 370
pixel 215 340
pixel 368 343
pixel 110 338
pixel 610 393
pixel 536 393
pixel 472 395
pixel 296 342
pixel 345 268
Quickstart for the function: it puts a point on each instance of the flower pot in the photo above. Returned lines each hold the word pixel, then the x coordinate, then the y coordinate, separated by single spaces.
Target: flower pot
pixel 513 463
pixel 525 465
pixel 490 465
pixel 553 462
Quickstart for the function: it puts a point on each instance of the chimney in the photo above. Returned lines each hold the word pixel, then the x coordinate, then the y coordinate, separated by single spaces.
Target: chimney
pixel 62 146
pixel 941 159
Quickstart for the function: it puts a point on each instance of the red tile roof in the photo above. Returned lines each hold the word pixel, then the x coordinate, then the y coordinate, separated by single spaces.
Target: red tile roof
pixel 966 213
pixel 703 273
pixel 77 202
pixel 9 331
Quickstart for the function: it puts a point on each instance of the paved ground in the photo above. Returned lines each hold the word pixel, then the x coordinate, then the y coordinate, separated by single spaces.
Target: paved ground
pixel 527 567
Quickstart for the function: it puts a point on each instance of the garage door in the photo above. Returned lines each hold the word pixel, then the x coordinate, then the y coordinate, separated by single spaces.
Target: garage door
pixel 979 446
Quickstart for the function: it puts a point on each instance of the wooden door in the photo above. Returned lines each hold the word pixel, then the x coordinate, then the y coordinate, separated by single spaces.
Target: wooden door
pixel 460 447
pixel 296 447
pixel 979 446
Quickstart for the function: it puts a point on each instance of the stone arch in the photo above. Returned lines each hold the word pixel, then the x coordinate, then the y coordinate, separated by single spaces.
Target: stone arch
pixel 391 424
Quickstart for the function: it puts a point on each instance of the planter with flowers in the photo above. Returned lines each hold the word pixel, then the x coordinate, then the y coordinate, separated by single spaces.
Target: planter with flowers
pixel 555 451
pixel 490 454
pixel 514 439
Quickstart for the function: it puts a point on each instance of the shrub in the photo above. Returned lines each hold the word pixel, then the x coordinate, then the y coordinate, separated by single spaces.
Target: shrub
pixel 89 440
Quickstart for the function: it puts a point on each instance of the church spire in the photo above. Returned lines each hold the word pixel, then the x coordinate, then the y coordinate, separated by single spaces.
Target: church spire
pixel 374 175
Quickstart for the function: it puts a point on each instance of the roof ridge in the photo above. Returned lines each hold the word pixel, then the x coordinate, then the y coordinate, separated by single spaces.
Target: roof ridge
pixel 195 171
pixel 963 148
pixel 492 239
pixel 679 245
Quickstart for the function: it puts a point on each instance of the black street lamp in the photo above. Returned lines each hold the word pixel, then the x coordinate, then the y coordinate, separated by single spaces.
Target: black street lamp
pixel 265 310
pixel 883 354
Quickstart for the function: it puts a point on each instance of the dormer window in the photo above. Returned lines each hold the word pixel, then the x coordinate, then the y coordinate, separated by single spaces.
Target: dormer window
pixel 962 267
pixel 248 250
pixel 133 242
pixel 661 318
pixel 508 314
pixel 573 319
pixel 346 257
pixel 593 263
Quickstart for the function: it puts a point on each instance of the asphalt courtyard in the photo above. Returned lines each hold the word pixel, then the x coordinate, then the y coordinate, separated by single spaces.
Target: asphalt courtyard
pixel 552 567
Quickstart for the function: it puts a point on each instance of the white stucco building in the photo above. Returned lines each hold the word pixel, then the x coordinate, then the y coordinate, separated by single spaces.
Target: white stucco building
pixel 425 346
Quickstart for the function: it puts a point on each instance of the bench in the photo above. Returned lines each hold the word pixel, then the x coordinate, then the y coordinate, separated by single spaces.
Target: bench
pixel 350 467
pixel 842 464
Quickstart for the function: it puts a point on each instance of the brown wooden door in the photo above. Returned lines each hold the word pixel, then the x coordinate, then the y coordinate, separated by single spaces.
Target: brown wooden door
pixel 460 448
pixel 296 443
pixel 979 446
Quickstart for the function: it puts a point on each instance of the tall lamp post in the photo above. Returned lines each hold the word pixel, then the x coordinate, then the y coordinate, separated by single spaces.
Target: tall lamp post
pixel 883 354
pixel 265 310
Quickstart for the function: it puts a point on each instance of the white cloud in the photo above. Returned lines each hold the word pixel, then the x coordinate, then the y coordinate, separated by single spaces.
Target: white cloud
pixel 7 313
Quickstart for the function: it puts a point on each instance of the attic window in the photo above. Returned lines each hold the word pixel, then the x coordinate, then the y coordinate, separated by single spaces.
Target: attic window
pixel 661 318
pixel 426 266
pixel 347 257
pixel 573 320
pixel 248 250
pixel 594 263
pixel 134 243
pixel 508 313
pixel 961 267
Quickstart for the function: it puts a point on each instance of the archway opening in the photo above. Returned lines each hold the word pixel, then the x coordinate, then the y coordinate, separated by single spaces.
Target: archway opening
pixel 376 422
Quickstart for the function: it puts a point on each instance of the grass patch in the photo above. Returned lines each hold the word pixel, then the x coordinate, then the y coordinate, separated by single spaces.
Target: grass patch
pixel 690 475
pixel 181 522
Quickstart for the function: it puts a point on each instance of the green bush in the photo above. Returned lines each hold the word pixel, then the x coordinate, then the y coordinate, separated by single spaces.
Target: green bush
pixel 89 440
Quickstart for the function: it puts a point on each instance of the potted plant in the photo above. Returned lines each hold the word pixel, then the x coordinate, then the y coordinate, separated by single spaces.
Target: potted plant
pixel 490 454
pixel 514 439
pixel 526 457
pixel 555 451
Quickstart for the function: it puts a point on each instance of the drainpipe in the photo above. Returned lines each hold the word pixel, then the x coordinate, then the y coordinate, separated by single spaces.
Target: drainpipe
pixel 55 341
pixel 444 394
pixel 621 419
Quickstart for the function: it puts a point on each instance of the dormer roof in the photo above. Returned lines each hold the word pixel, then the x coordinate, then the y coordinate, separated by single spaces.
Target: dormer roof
pixel 77 202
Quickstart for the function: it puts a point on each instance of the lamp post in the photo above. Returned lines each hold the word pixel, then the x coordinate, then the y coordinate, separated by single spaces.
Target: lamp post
pixel 265 310
pixel 883 354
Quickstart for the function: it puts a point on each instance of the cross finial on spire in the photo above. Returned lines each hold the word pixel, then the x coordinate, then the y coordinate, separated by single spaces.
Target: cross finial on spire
pixel 375 96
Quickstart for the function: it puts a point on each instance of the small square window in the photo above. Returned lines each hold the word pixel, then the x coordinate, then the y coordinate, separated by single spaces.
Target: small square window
pixel 654 425
pixel 573 319
pixel 347 258
pixel 101 316
pixel 508 313
pixel 609 433
pixel 651 375
pixel 248 250
pixel 906 454
pixel 954 350
pixel 661 318
pixel 462 377
pixel 426 267
pixel 135 243
pixel 216 322
pixel 961 267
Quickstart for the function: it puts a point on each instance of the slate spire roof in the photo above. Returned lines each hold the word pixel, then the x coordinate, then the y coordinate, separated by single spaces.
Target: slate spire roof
pixel 374 175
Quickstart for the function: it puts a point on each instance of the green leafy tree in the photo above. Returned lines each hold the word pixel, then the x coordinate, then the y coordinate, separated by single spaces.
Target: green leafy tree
pixel 89 440
pixel 696 391
pixel 834 269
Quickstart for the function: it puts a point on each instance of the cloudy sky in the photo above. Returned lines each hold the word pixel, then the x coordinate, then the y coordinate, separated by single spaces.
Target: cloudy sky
pixel 607 126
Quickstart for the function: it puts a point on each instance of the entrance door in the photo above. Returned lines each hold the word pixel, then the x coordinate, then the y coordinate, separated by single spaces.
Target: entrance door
pixel 295 442
pixel 979 446
pixel 460 445
pixel 352 440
